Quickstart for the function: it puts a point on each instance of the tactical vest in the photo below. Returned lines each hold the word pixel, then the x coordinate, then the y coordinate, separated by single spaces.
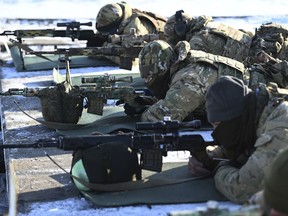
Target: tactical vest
pixel 157 21
pixel 225 66
pixel 236 43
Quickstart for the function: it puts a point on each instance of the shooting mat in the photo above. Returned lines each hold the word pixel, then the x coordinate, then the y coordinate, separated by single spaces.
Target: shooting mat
pixel 107 124
pixel 35 63
pixel 189 190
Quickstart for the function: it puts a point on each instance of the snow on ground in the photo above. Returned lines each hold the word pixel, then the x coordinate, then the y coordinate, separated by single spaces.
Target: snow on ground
pixel 262 11
pixel 80 206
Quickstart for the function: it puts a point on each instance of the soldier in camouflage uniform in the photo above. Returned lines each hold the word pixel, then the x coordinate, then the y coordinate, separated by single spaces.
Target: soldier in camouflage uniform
pixel 203 33
pixel 269 53
pixel 270 70
pixel 179 78
pixel 121 19
pixel 251 128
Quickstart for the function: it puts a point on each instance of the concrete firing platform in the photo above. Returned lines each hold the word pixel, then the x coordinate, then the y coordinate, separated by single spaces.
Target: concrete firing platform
pixel 36 177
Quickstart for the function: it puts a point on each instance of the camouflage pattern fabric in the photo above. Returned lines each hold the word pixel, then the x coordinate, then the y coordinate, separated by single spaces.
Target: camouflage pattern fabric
pixel 141 22
pixel 190 79
pixel 238 185
pixel 108 14
pixel 64 103
pixel 283 53
pixel 204 34
pixel 193 25
pixel 220 39
pixel 269 72
pixel 272 38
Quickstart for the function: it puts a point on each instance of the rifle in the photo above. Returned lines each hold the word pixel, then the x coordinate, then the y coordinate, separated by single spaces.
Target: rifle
pixel 72 31
pixel 127 47
pixel 95 95
pixel 158 138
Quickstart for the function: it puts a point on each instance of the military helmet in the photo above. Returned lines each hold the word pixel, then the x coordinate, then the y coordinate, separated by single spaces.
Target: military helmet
pixel 110 17
pixel 176 26
pixel 155 60
pixel 276 183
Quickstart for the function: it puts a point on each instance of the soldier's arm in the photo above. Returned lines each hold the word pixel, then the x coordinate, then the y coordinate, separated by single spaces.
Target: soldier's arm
pixel 186 93
pixel 238 185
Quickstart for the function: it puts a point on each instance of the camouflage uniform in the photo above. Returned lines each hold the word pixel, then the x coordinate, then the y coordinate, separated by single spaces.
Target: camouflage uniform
pixel 190 73
pixel 204 34
pixel 273 70
pixel 269 53
pixel 239 184
pixel 120 19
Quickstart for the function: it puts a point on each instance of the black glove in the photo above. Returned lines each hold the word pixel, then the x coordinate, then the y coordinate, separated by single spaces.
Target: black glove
pixel 145 100
pixel 131 110
pixel 139 106
pixel 140 100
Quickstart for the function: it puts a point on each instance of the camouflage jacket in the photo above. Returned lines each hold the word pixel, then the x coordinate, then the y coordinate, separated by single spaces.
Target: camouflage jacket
pixel 220 39
pixel 190 80
pixel 239 184
pixel 143 22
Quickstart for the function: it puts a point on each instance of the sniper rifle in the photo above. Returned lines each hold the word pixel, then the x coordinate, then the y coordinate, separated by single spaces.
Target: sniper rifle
pixel 151 141
pixel 95 95
pixel 127 47
pixel 72 31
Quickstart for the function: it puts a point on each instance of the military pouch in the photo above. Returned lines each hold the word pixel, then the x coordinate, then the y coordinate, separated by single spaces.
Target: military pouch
pixel 95 104
pixel 62 103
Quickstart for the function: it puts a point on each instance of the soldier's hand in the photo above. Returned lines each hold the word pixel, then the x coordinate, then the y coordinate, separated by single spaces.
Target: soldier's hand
pixel 132 111
pixel 145 100
pixel 196 168
pixel 140 100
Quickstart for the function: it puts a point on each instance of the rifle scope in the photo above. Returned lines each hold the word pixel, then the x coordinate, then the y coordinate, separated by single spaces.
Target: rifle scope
pixel 104 79
pixel 73 24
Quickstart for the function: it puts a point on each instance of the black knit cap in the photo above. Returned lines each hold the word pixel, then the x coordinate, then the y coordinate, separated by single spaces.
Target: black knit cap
pixel 225 99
